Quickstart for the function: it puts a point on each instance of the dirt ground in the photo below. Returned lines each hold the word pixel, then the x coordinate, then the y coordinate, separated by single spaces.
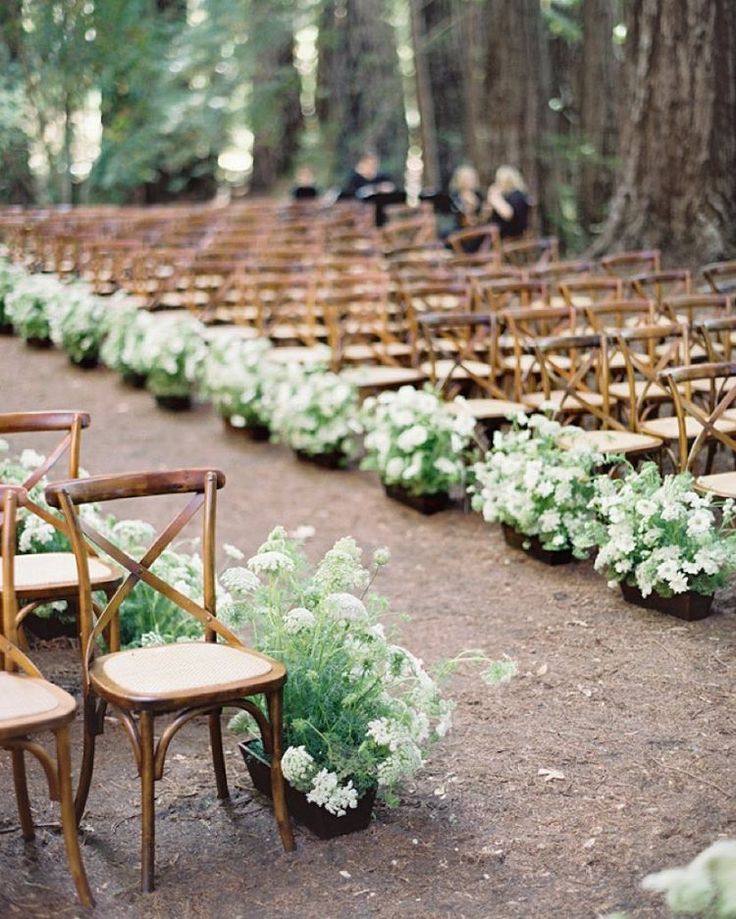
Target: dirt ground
pixel 632 710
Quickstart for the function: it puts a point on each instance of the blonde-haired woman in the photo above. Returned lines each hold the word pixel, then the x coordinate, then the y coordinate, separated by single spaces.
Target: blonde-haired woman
pixel 508 202
pixel 466 197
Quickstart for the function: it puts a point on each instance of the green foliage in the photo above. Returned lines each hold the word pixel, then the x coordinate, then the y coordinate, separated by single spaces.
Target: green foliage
pixel 706 887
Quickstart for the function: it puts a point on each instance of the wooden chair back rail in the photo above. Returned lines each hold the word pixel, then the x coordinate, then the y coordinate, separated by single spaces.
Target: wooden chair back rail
pixel 465 334
pixel 619 311
pixel 572 380
pixel 715 271
pixel 560 270
pixel 676 279
pixel 720 399
pixel 649 364
pixel 649 259
pixel 719 305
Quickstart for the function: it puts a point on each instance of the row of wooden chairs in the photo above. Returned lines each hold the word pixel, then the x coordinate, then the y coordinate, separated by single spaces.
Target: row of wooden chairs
pixel 181 681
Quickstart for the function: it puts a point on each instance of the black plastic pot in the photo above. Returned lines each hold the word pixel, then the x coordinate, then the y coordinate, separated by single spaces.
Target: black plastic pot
pixel 533 547
pixel 425 504
pixel 690 606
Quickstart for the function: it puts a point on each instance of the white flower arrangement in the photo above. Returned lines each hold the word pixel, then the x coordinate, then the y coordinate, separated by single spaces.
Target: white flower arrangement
pixel 658 534
pixel 172 352
pixel 528 482
pixel 317 413
pixel 128 327
pixel 79 324
pixel 31 302
pixel 359 711
pixel 235 375
pixel 415 440
pixel 705 887
pixel 9 279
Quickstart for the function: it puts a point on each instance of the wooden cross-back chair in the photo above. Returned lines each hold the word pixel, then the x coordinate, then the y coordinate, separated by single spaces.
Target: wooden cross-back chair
pixel 575 377
pixel 558 271
pixel 414 231
pixel 694 309
pixel 495 295
pixel 611 315
pixel 586 290
pixel 50 576
pixel 462 356
pixel 658 285
pixel 624 264
pixel 530 252
pixel 519 330
pixel 186 679
pixel 480 240
pixel 718 336
pixel 721 276
pixel 30 705
pixel 647 352
pixel 706 422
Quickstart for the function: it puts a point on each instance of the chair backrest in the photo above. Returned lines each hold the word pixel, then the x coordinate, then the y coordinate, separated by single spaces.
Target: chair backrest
pixel 465 340
pixel 607 315
pixel 706 411
pixel 692 308
pixel 586 290
pixel 485 238
pixel 201 484
pixel 10 655
pixel 718 337
pixel 496 295
pixel 556 271
pixel 721 276
pixel 528 252
pixel 624 264
pixel 71 423
pixel 647 351
pixel 526 326
pixel 576 366
pixel 657 285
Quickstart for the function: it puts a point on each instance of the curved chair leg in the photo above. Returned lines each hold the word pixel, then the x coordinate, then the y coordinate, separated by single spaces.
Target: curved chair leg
pixel 275 700
pixel 88 756
pixel 21 795
pixel 68 817
pixel 148 816
pixel 218 757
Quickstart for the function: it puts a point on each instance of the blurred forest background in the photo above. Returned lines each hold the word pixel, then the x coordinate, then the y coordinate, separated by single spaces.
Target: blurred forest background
pixel 621 114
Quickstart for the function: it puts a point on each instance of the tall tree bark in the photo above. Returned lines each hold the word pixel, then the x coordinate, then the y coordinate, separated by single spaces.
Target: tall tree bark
pixel 505 77
pixel 677 184
pixel 599 97
pixel 275 111
pixel 359 87
pixel 438 51
pixel 16 181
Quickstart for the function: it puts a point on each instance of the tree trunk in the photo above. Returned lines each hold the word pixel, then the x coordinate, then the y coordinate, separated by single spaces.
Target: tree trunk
pixel 506 77
pixel 677 184
pixel 16 181
pixel 438 54
pixel 276 116
pixel 599 98
pixel 360 100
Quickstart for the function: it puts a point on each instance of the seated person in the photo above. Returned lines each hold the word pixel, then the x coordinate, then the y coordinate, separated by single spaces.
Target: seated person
pixel 466 197
pixel 304 184
pixel 366 179
pixel 508 202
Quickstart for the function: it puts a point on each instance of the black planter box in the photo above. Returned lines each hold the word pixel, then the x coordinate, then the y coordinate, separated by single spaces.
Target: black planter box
pixel 260 433
pixel 425 504
pixel 174 403
pixel 690 606
pixel 517 540
pixel 336 459
pixel 136 380
pixel 321 822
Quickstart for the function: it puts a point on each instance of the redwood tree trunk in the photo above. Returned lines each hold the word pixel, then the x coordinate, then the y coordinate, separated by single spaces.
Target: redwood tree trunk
pixel 599 97
pixel 360 100
pixel 677 184
pixel 438 55
pixel 275 111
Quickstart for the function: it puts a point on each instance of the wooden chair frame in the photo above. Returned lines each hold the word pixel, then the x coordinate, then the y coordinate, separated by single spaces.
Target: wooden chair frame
pixel 715 272
pixel 640 260
pixel 469 338
pixel 16 734
pixel 137 713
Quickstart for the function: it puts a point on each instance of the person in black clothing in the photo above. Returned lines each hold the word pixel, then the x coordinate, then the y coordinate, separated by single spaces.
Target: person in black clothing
pixel 465 196
pixel 508 202
pixel 366 179
pixel 304 184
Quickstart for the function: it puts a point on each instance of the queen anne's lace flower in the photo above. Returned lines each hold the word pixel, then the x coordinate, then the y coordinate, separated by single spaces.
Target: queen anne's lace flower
pixel 240 580
pixel 344 606
pixel 270 562
pixel 298 767
pixel 327 792
pixel 298 619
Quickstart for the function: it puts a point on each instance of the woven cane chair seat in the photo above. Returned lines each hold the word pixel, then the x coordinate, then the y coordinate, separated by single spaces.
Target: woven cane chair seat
pixel 653 390
pixel 56 570
pixel 31 703
pixel 368 352
pixel 569 401
pixel 457 371
pixel 668 429
pixel 722 484
pixel 613 441
pixel 169 671
pixel 316 354
pixel 483 409
pixel 378 376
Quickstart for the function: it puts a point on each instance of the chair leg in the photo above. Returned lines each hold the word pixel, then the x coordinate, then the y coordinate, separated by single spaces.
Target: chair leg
pixel 21 795
pixel 218 757
pixel 68 817
pixel 275 701
pixel 148 816
pixel 88 756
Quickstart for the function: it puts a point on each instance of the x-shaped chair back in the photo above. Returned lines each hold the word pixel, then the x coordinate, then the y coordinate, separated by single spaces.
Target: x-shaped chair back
pixel 658 285
pixel 613 315
pixel 462 341
pixel 707 411
pixel 647 351
pixel 584 291
pixel 718 337
pixel 624 264
pixel 721 276
pixel 693 308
